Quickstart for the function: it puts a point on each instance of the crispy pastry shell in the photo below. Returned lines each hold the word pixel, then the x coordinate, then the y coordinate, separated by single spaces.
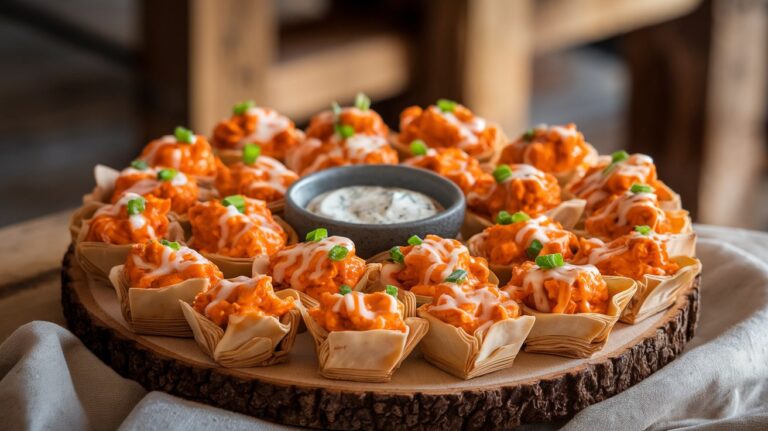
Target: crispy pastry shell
pixel 468 356
pixel 156 311
pixel 582 334
pixel 568 213
pixel 248 341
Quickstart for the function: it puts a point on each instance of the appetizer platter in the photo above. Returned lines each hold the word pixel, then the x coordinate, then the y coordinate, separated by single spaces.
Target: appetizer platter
pixel 351 277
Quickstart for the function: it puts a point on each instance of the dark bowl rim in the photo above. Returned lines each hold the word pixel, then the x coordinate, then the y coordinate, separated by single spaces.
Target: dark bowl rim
pixel 459 204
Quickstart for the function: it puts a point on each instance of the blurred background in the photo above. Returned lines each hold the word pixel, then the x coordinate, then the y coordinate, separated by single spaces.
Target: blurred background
pixel 91 81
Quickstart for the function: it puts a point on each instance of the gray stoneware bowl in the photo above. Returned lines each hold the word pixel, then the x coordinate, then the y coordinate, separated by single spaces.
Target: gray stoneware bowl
pixel 370 239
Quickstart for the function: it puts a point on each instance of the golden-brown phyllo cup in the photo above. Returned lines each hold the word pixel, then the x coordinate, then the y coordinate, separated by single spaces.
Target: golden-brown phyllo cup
pixel 234 231
pixel 107 232
pixel 517 238
pixel 423 264
pixel 575 307
pixel 362 336
pixel 320 264
pixel 557 150
pixel 155 276
pixel 642 256
pixel 473 332
pixel 242 322
pixel 448 124
pixel 514 188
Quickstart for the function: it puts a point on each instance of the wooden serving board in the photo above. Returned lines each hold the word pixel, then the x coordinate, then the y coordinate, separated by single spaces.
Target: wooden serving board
pixel 538 388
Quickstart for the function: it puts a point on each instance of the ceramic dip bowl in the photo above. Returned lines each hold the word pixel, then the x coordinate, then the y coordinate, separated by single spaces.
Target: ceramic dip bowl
pixel 371 239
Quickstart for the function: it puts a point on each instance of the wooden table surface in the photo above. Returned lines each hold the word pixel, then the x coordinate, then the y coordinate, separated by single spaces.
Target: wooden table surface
pixel 30 260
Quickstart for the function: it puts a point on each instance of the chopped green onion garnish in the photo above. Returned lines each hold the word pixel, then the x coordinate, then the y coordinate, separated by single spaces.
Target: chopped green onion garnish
pixel 362 102
pixel 414 240
pixel 550 261
pixel 619 156
pixel 318 234
pixel 396 255
pixel 238 201
pixel 520 216
pixel 458 276
pixel 139 164
pixel 167 174
pixel 501 173
pixel 643 230
pixel 418 147
pixel 251 152
pixel 135 206
pixel 185 136
pixel 344 289
pixel 337 253
pixel 391 290
pixel 534 249
pixel 336 109
pixel 172 244
pixel 344 130
pixel 446 105
pixel 243 107
pixel 641 188
pixel 529 135
pixel 504 218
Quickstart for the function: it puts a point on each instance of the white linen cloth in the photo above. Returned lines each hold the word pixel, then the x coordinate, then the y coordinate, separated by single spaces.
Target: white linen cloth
pixel 49 380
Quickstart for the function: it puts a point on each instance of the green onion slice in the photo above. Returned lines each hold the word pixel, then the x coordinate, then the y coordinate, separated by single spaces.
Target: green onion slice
pixel 641 188
pixel 506 218
pixel 396 255
pixel 251 152
pixel 418 147
pixel 362 102
pixel 185 136
pixel 446 105
pixel 391 290
pixel 243 107
pixel 344 289
pixel 172 244
pixel 167 174
pixel 643 230
pixel 337 253
pixel 316 235
pixel 502 173
pixel 534 249
pixel 458 276
pixel 139 164
pixel 238 201
pixel 550 261
pixel 344 130
pixel 135 206
pixel 529 134
pixel 414 240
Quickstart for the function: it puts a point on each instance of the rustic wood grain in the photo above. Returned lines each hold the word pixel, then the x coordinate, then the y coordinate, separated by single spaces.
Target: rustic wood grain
pixel 559 396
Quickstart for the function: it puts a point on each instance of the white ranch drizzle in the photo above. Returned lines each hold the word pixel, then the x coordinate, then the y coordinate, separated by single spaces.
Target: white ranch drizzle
pixel 355 301
pixel 166 140
pixel 302 254
pixel 468 131
pixel 521 171
pixel 619 208
pixel 436 250
pixel 147 185
pixel 359 145
pixel 137 221
pixel 269 124
pixel 462 168
pixel 226 287
pixel 535 225
pixel 373 205
pixel 536 276
pixel 637 166
pixel 604 251
pixel 249 221
pixel 171 261
pixel 482 299
pixel 275 172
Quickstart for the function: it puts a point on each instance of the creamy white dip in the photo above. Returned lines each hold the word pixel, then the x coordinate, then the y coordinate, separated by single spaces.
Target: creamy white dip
pixel 373 205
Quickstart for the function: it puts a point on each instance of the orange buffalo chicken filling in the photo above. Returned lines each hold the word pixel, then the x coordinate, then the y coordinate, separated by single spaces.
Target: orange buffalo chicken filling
pixel 239 297
pixel 454 164
pixel 471 310
pixel 235 227
pixel 164 183
pixel 508 244
pixel 317 267
pixel 633 255
pixel 613 178
pixel 185 152
pixel 567 289
pixel 362 121
pixel 152 265
pixel 420 267
pixel 622 212
pixel 357 311
pixel 554 150
pixel 448 125
pixel 274 133
pixel 266 179
pixel 132 219
pixel 516 188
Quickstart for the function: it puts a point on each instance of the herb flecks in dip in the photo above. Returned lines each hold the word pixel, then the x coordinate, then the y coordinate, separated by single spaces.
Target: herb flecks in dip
pixel 373 205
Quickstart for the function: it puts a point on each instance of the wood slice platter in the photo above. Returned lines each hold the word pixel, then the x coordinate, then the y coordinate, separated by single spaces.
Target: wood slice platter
pixel 538 388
